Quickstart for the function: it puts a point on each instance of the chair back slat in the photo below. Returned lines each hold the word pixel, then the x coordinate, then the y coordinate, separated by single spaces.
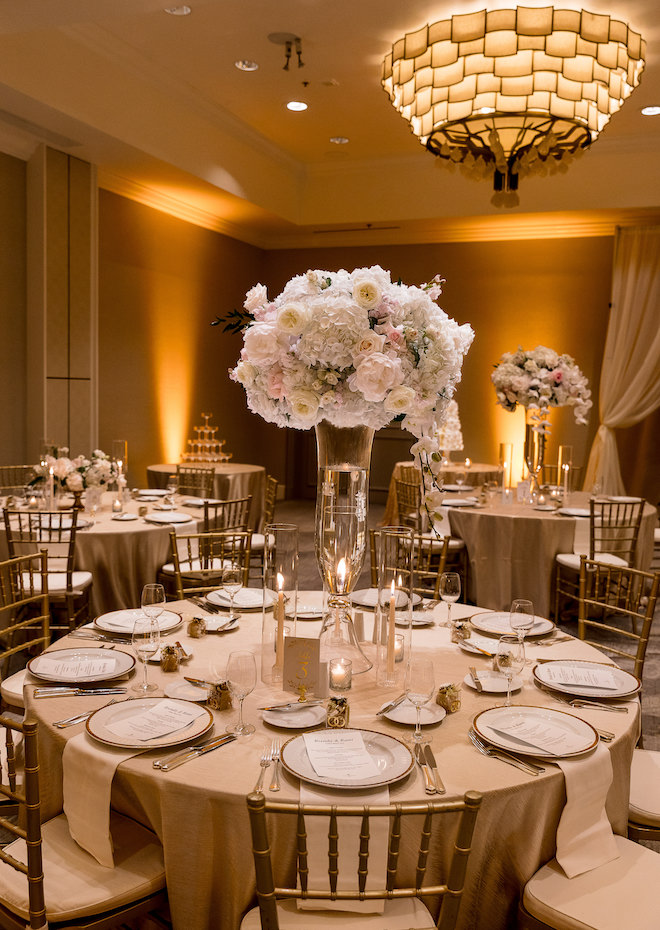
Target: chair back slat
pixel 24 607
pixel 198 559
pixel 409 501
pixel 614 528
pixel 195 480
pixel 363 855
pixel 301 846
pixel 423 853
pixel 270 500
pixel 229 514
pixel 333 851
pixel 393 850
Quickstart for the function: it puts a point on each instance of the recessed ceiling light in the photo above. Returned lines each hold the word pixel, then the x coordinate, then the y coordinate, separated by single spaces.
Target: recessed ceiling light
pixel 339 140
pixel 296 105
pixel 178 10
pixel 650 111
pixel 244 65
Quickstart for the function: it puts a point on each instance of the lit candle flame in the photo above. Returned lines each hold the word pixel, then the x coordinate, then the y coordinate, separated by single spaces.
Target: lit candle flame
pixel 280 581
pixel 341 572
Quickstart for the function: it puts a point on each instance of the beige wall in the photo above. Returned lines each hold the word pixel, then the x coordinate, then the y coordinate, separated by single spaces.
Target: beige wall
pixel 12 311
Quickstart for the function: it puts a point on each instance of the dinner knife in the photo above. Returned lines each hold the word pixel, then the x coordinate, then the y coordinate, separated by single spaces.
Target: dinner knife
pixel 196 751
pixel 201 682
pixel 430 759
pixel 429 786
pixel 75 692
pixel 292 705
pixel 392 704
pixel 475 678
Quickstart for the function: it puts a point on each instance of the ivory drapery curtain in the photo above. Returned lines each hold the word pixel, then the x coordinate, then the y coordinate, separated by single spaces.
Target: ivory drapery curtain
pixel 630 376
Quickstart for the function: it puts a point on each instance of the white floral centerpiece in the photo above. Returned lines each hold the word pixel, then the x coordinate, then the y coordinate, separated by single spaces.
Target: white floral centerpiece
pixel 540 379
pixel 450 435
pixel 352 348
pixel 78 473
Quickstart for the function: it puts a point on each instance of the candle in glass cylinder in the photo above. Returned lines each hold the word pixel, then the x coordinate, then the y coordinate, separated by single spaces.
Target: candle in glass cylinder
pixel 279 650
pixel 565 469
pixel 51 488
pixel 390 632
pixel 505 479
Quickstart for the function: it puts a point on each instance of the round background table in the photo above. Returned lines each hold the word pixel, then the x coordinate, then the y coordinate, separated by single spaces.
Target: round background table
pixel 232 480
pixel 477 474
pixel 199 812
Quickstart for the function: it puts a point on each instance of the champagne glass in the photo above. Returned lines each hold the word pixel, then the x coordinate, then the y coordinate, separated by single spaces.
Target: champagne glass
pixel 241 678
pixel 420 686
pixel 510 660
pixel 145 641
pixel 232 582
pixel 450 590
pixel 521 617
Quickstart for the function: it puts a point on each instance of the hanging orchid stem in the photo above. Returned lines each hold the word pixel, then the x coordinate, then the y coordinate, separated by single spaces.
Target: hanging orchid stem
pixel 427 472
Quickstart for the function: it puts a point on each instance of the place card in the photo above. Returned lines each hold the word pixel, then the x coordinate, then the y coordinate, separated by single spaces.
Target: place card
pixel 74 669
pixel 548 738
pixel 301 664
pixel 339 754
pixel 164 718
pixel 581 676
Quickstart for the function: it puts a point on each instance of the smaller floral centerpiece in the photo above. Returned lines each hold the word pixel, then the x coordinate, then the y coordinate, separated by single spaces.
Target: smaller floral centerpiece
pixel 540 379
pixel 78 473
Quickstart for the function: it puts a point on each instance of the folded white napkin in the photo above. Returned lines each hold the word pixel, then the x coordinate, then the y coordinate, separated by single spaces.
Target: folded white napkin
pixel 349 846
pixel 584 834
pixel 87 799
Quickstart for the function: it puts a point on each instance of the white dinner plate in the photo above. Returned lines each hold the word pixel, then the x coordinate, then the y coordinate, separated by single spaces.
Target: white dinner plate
pixel 392 758
pixel 71 662
pixel 308 612
pixel 302 719
pixel 100 721
pixel 461 488
pixel 627 684
pixel 123 621
pixel 547 507
pixel 124 517
pixel 147 498
pixel 368 597
pixel 582 736
pixel 186 691
pixel 153 492
pixel 619 499
pixel 245 599
pixel 574 511
pixel 172 517
pixel 497 624
pixel 416 620
pixel 459 502
pixel 493 682
pixel 407 713
pixel 199 501
pixel 476 645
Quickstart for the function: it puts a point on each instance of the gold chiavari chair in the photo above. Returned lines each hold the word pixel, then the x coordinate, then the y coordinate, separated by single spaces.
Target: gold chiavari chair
pixel 24 620
pixel 410 831
pixel 47 880
pixel 429 562
pixel 613 533
pixel 550 477
pixel 224 515
pixel 195 480
pixel 29 531
pixel 258 542
pixel 14 478
pixel 198 560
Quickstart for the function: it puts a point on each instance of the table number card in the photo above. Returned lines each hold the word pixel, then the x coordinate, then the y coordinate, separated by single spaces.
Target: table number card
pixel 301 665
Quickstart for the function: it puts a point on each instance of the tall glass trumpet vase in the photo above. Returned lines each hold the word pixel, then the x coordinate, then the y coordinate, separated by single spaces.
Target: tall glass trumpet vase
pixel 394 554
pixel 536 425
pixel 341 545
pixel 280 582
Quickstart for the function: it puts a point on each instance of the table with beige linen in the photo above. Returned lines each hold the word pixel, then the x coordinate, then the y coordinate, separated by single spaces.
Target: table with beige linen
pixel 232 480
pixel 512 547
pixel 198 810
pixel 478 473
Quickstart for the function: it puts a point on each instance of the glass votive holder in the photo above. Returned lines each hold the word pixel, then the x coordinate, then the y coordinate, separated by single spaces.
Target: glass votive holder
pixel 117 505
pixel 340 674
pixel 399 647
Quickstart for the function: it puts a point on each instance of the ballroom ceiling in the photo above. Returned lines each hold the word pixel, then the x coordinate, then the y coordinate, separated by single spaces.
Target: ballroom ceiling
pixel 155 101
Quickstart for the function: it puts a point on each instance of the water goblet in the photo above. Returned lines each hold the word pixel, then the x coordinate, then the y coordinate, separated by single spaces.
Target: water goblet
pixel 232 582
pixel 145 641
pixel 241 678
pixel 152 601
pixel 450 590
pixel 420 686
pixel 521 617
pixel 172 487
pixel 510 660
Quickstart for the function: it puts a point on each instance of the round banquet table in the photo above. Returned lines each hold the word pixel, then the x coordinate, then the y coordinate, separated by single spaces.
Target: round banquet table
pixel 199 812
pixel 232 480
pixel 512 548
pixel 477 474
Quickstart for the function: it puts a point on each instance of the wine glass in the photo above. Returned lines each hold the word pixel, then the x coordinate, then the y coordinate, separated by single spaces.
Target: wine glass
pixel 232 582
pixel 145 641
pixel 450 590
pixel 521 617
pixel 510 660
pixel 420 686
pixel 172 487
pixel 241 678
pixel 152 601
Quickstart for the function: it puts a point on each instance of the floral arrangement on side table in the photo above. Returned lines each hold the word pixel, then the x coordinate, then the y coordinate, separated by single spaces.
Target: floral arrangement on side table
pixel 540 378
pixel 78 473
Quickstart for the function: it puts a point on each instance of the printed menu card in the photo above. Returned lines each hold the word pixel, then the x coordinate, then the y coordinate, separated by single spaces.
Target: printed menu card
pixel 549 738
pixel 339 754
pixel 587 676
pixel 74 669
pixel 163 718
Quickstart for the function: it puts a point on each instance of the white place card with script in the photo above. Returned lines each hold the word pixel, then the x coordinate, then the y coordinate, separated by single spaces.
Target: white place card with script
pixel 582 676
pixel 75 669
pixel 339 754
pixel 166 717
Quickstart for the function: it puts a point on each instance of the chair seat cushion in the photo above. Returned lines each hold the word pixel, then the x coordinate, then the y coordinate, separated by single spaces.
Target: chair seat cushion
pixel 645 787
pixel 195 567
pixel 454 542
pixel 57 581
pixel 401 914
pixel 572 560
pixel 75 885
pixel 621 893
pixel 11 689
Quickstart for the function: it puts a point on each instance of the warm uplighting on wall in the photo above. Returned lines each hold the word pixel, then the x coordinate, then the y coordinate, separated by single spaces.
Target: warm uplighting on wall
pixel 510 427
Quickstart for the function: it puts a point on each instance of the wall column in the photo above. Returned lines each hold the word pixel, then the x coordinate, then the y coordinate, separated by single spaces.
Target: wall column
pixel 62 303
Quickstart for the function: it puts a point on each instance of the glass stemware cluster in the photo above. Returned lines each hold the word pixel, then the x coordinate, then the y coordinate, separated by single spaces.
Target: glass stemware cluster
pixel 145 638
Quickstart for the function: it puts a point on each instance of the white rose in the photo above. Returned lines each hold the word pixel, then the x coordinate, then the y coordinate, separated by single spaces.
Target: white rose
pixel 304 403
pixel 375 376
pixel 260 343
pixel 366 293
pixel 74 482
pixel 400 399
pixel 292 318
pixel 62 467
pixel 368 342
pixel 256 297
pixel 245 373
